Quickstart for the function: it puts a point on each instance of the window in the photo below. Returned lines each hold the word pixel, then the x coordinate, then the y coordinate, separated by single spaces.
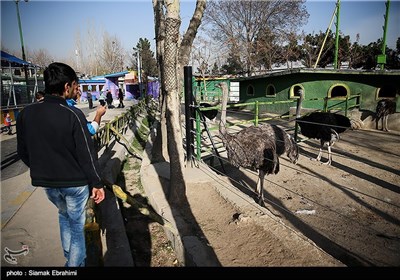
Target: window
pixel 294 91
pixel 339 91
pixel 270 91
pixel 250 90
pixel 387 91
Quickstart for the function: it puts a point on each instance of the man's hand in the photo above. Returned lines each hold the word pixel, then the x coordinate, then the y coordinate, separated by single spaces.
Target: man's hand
pixel 100 111
pixel 98 195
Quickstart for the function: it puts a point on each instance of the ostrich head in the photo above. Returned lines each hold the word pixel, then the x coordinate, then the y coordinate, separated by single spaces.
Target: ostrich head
pixel 292 150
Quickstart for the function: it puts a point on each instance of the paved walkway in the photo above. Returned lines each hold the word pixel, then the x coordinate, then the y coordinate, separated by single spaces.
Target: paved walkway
pixel 27 217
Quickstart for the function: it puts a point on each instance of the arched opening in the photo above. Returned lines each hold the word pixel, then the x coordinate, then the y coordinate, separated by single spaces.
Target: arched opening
pixel 250 90
pixel 270 91
pixel 295 90
pixel 387 91
pixel 339 91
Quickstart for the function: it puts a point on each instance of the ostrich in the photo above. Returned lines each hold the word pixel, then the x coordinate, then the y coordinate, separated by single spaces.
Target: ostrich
pixel 257 148
pixel 324 126
pixel 384 108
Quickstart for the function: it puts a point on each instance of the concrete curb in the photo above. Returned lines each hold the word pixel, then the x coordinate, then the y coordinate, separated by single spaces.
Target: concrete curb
pixel 190 250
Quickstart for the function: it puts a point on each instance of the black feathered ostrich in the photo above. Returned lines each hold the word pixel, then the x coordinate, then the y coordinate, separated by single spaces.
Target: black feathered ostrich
pixel 384 108
pixel 324 126
pixel 257 148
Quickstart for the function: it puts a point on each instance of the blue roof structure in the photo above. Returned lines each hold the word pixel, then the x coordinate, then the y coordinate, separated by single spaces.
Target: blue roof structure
pixel 7 58
pixel 92 81
pixel 117 74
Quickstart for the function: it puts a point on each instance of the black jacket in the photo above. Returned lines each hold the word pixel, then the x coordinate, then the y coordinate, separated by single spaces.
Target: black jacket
pixel 54 142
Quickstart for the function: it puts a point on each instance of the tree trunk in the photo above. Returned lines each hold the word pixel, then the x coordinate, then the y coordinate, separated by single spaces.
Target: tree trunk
pixel 171 58
pixel 160 148
pixel 190 35
pixel 171 84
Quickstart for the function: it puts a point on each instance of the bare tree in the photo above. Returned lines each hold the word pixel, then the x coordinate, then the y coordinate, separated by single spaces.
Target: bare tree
pixel 238 23
pixel 111 55
pixel 172 55
pixel 93 47
pixel 41 57
pixel 185 47
pixel 201 56
pixel 292 50
pixel 98 53
pixel 266 50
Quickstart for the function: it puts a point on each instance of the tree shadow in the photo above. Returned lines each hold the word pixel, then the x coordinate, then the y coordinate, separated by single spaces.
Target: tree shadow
pixel 338 251
pixel 137 228
pixel 189 231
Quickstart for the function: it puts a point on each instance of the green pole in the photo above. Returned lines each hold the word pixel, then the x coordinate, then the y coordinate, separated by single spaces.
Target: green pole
pixel 20 31
pixel 256 114
pixel 23 49
pixel 335 62
pixel 382 57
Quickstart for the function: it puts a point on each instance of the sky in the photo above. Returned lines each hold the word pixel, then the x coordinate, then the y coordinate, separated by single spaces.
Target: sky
pixel 53 25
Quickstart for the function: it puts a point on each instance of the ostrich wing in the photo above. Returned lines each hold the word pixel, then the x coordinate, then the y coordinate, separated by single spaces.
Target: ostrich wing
pixel 318 125
pixel 253 148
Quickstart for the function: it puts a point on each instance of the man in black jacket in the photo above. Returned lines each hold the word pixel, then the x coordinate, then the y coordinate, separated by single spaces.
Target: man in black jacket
pixel 54 142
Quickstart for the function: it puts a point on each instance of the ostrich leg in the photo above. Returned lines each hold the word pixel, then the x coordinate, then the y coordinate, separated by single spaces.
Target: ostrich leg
pixel 320 151
pixel 385 128
pixel 334 137
pixel 329 154
pixel 260 187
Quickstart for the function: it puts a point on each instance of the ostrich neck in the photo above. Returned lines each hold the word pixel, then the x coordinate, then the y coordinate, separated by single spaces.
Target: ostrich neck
pixel 299 103
pixel 224 102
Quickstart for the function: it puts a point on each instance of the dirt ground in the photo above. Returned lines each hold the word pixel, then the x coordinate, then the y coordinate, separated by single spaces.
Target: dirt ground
pixel 350 210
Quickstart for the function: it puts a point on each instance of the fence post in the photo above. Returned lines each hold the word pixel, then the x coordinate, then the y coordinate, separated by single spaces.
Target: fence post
pixel 107 133
pixel 256 114
pixel 187 72
pixel 326 104
pixel 198 136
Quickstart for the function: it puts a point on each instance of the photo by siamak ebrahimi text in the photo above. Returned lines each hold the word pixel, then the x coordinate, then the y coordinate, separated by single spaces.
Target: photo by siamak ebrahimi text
pixel 40 272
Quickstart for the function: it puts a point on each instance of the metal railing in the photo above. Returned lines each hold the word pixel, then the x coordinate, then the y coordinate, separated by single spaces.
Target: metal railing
pixel 340 105
pixel 116 128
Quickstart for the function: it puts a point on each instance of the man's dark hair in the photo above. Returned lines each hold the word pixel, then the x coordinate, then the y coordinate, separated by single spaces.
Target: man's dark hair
pixel 56 75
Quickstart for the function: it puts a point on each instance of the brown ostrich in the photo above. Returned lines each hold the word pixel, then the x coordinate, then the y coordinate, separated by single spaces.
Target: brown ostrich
pixel 257 147
pixel 384 108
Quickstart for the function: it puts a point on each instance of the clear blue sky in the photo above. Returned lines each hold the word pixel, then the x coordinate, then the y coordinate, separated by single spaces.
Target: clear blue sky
pixel 52 25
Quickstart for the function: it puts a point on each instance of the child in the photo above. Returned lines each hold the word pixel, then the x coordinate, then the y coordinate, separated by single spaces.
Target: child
pixel 7 123
pixel 39 95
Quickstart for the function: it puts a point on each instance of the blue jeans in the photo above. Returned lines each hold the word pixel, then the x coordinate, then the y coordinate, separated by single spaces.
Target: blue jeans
pixel 71 204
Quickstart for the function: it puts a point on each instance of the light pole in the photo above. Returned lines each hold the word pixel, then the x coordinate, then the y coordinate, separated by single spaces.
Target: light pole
pixel 22 47
pixel 139 66
pixel 77 58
